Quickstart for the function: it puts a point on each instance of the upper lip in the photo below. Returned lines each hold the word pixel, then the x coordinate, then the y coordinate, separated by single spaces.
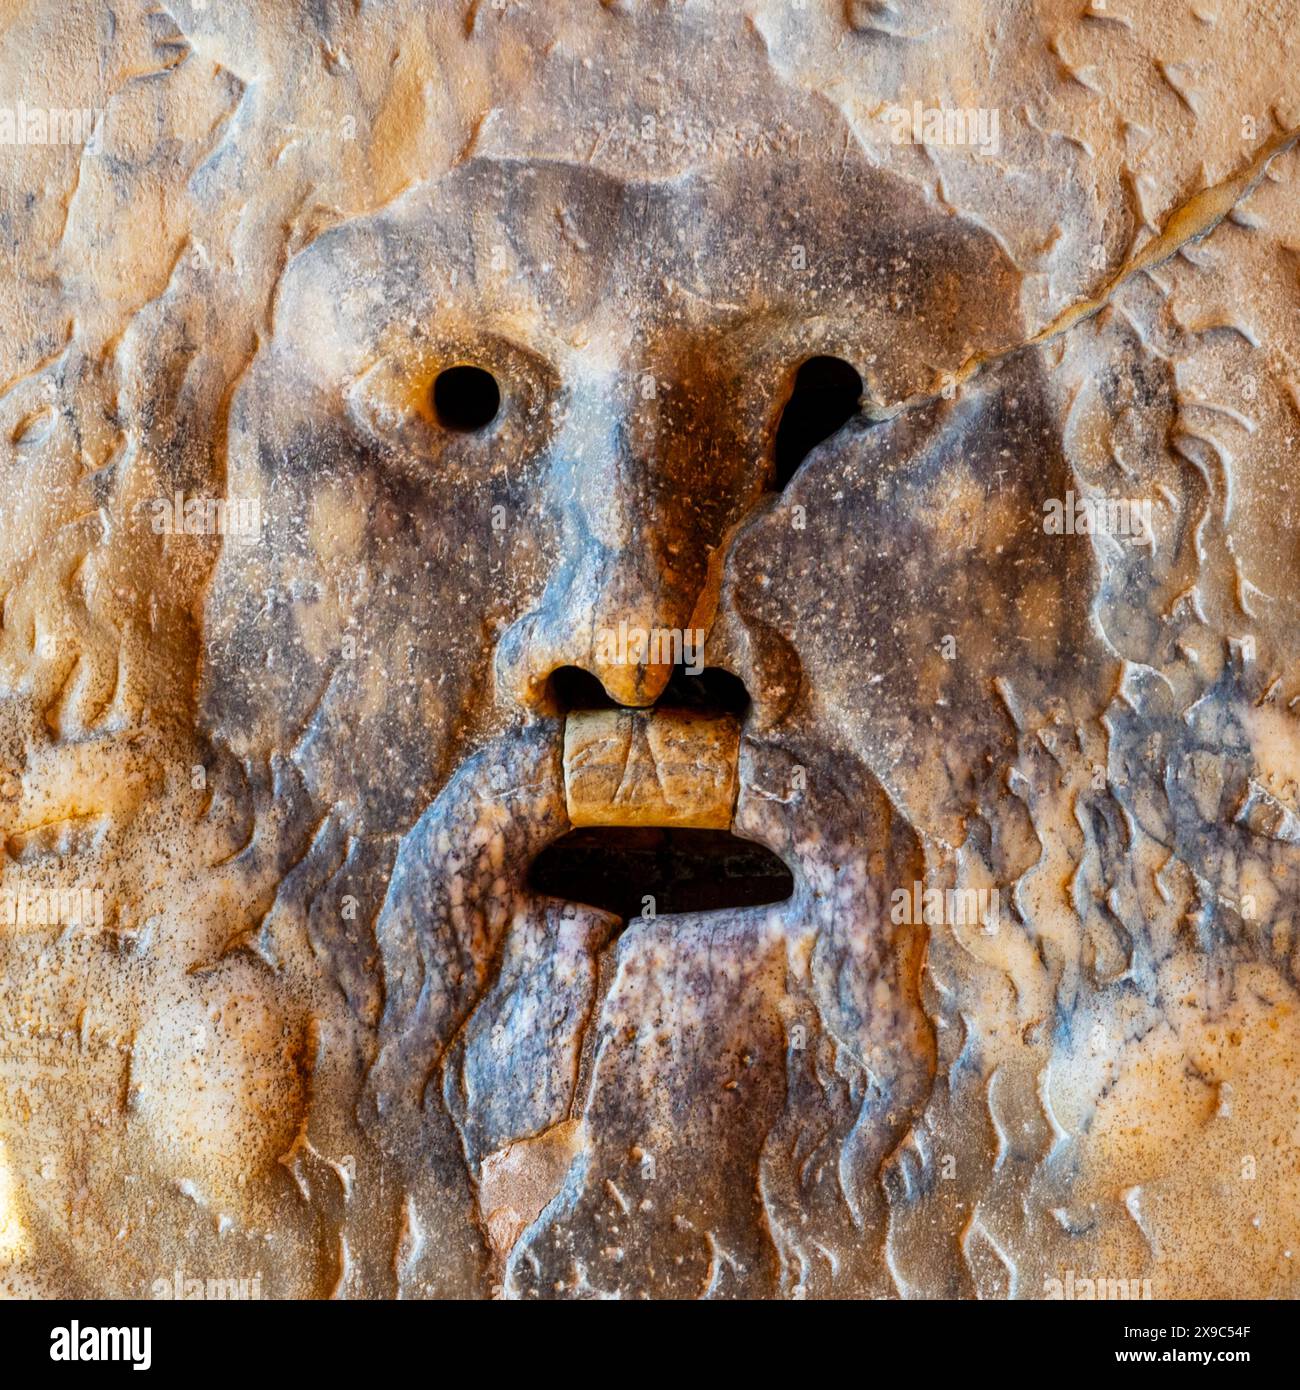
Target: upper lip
pixel 661 766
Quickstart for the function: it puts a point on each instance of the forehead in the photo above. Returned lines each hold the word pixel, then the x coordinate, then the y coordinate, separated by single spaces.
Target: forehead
pixel 552 248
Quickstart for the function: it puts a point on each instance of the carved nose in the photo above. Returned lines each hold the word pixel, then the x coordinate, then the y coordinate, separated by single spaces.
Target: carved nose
pixel 633 656
pixel 632 683
pixel 623 630
pixel 639 519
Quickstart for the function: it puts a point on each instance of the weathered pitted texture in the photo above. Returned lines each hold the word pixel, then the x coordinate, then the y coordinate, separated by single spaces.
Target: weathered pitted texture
pixel 666 767
pixel 278 998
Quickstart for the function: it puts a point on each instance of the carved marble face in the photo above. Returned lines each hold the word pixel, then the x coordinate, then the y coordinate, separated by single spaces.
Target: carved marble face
pixel 422 577
pixel 644 339
pixel 337 1029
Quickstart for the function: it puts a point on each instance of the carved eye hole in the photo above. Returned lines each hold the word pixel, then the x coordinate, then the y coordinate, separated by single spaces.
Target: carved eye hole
pixel 466 398
pixel 826 393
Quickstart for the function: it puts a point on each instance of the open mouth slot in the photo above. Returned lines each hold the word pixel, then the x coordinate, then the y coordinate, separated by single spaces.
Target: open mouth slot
pixel 618 867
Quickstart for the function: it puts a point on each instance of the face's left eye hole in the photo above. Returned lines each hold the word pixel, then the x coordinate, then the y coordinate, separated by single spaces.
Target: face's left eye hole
pixel 466 398
pixel 827 392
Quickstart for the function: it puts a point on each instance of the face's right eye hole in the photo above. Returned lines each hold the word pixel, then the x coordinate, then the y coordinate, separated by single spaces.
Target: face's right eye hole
pixel 466 398
pixel 827 392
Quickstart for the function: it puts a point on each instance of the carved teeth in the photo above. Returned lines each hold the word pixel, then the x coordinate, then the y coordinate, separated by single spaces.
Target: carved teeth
pixel 661 767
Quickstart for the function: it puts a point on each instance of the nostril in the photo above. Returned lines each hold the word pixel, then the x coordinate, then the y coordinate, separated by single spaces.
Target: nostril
pixel 827 393
pixel 572 688
pixel 713 688
pixel 466 398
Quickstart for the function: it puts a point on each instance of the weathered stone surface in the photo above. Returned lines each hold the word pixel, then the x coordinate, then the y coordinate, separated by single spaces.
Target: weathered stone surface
pixel 279 999
pixel 666 767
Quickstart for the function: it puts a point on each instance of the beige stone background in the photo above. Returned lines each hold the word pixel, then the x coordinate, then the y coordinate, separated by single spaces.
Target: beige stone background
pixel 180 1089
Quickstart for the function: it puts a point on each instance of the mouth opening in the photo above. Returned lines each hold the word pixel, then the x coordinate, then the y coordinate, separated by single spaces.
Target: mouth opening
pixel 619 868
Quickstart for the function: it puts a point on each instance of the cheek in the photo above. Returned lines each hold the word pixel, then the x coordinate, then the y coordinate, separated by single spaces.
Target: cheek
pixel 216 1084
pixel 337 515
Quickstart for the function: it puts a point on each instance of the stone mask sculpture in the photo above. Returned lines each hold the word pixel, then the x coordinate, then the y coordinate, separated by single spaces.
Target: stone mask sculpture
pixel 633 798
